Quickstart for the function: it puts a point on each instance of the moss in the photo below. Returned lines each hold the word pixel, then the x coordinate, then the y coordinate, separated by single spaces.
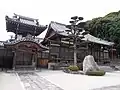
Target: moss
pixel 96 73
pixel 73 68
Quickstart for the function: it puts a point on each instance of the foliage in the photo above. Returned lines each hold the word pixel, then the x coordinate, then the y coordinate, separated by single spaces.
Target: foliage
pixel 107 27
pixel 73 68
pixel 96 73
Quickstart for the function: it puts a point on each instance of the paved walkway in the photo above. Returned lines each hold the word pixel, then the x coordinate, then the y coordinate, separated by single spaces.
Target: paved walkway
pixel 32 81
pixel 10 81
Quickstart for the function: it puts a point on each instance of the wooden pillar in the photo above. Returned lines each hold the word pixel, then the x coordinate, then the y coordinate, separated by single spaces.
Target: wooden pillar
pixel 14 60
pixel 3 60
pixel 6 66
pixel 35 61
pixel 100 55
pixel 24 61
pixel 97 54
pixel 49 42
pixel 33 57
pixel 60 49
pixel 103 53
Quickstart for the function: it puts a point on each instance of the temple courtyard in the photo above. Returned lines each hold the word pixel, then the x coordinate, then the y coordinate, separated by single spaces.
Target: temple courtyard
pixel 58 80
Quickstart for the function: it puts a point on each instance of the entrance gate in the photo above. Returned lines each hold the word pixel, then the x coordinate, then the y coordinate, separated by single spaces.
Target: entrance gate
pixel 23 58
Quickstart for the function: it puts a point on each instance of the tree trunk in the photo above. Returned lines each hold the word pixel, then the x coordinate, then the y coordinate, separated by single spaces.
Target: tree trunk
pixel 75 54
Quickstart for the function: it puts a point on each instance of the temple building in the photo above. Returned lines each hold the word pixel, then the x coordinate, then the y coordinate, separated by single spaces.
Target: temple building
pixel 61 46
pixel 27 51
pixel 22 52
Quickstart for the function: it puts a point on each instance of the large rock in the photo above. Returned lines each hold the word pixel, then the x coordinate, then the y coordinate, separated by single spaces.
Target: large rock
pixel 89 64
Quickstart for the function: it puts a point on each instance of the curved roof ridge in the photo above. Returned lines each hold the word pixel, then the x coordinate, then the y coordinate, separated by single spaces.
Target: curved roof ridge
pixel 58 23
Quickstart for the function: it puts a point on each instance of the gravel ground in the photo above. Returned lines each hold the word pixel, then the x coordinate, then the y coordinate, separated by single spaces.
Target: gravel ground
pixel 109 69
pixel 117 87
pixel 32 81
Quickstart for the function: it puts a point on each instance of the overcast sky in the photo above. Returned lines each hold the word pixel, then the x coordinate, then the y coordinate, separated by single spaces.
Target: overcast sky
pixel 54 10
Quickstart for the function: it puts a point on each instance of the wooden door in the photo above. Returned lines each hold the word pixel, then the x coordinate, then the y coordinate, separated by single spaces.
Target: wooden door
pixel 23 58
pixel 27 58
pixel 19 58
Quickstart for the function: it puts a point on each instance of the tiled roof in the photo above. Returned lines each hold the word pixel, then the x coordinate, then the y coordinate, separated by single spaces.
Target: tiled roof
pixel 24 21
pixel 61 29
pixel 25 39
pixel 91 38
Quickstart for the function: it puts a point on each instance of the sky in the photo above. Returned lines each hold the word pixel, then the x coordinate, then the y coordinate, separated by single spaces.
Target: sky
pixel 54 10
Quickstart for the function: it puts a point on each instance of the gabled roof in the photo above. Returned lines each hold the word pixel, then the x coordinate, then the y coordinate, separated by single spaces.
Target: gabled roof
pixel 61 30
pixel 91 38
pixel 24 25
pixel 25 39
pixel 24 17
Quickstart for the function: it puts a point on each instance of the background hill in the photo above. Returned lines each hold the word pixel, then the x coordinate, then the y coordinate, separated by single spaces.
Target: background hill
pixel 107 28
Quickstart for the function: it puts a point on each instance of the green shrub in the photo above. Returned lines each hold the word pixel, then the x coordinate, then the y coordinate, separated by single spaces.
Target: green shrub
pixel 96 73
pixel 73 68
